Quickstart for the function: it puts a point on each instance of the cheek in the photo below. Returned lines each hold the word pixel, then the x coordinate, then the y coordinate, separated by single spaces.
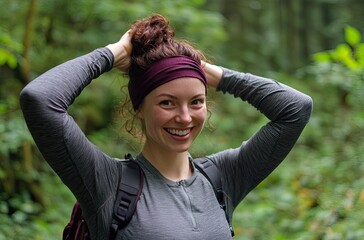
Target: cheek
pixel 201 115
pixel 158 117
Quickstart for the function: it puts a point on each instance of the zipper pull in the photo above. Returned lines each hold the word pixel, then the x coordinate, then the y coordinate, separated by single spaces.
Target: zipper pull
pixel 181 183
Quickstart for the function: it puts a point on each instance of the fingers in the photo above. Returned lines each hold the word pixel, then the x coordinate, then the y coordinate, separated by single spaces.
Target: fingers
pixel 125 41
pixel 122 51
pixel 213 74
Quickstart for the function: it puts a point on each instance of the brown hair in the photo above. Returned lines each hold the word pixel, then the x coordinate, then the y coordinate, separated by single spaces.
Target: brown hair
pixel 152 39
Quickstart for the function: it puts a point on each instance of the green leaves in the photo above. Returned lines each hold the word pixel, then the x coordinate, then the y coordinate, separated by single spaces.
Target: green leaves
pixel 8 49
pixel 349 54
pixel 352 35
pixel 6 57
pixel 346 56
pixel 343 67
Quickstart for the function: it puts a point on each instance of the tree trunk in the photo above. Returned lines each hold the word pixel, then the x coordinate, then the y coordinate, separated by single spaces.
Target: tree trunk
pixel 31 183
pixel 27 41
pixel 27 160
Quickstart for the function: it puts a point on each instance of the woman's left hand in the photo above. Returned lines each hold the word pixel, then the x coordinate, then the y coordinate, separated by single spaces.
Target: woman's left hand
pixel 122 51
pixel 213 74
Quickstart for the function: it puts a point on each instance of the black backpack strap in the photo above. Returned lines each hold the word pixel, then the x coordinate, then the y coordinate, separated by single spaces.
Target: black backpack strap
pixel 212 173
pixel 129 190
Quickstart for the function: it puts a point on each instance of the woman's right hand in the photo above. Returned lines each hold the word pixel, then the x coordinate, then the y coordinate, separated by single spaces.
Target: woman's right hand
pixel 122 51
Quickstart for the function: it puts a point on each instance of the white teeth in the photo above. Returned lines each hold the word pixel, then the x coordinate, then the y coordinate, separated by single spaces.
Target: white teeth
pixel 179 132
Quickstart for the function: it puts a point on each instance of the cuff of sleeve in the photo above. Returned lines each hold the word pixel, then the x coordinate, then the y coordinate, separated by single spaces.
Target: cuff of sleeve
pixel 109 57
pixel 223 78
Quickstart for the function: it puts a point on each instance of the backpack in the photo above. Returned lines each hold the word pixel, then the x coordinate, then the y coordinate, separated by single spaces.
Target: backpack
pixel 130 188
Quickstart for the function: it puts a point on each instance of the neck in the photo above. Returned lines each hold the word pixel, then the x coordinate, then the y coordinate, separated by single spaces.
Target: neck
pixel 174 166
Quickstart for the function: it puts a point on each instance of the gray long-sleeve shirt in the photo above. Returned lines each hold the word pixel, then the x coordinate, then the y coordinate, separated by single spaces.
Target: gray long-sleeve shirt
pixel 167 210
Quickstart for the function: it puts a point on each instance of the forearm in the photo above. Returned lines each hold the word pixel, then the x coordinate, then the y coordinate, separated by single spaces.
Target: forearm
pixel 59 86
pixel 275 100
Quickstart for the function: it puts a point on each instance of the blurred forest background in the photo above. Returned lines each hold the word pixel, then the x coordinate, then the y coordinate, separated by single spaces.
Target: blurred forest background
pixel 315 46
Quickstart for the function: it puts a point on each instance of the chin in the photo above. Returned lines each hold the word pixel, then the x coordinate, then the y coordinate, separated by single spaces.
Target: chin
pixel 181 149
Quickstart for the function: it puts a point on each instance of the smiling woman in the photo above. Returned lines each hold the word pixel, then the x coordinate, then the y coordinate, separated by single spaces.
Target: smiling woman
pixel 168 81
pixel 167 89
pixel 157 58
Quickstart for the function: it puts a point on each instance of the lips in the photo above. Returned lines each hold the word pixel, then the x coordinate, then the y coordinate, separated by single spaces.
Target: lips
pixel 179 132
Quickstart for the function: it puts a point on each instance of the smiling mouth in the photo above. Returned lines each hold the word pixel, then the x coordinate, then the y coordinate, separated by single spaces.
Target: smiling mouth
pixel 178 132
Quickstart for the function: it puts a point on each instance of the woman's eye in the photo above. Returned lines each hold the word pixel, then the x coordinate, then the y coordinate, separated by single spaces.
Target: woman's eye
pixel 197 102
pixel 166 103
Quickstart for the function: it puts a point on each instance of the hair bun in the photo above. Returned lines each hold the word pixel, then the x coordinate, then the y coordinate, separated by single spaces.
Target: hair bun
pixel 150 33
pixel 153 39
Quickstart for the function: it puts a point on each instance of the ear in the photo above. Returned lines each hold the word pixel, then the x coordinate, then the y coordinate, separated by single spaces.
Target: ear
pixel 139 114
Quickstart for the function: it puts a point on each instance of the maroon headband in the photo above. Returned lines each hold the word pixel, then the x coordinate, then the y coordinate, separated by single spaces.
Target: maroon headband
pixel 142 82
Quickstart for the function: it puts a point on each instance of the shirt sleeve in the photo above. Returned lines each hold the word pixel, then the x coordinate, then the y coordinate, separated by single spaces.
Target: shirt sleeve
pixel 288 110
pixel 85 169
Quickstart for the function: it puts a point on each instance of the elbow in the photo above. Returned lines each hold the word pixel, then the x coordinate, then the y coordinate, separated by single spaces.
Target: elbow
pixel 30 98
pixel 306 107
pixel 26 96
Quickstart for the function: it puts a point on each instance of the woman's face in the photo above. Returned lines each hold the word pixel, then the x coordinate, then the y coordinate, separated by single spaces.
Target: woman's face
pixel 174 114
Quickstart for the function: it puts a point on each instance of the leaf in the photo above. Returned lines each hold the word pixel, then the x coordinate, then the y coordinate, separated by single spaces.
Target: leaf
pixel 322 57
pixel 343 54
pixel 12 61
pixel 3 56
pixel 342 51
pixel 359 53
pixel 7 57
pixel 352 35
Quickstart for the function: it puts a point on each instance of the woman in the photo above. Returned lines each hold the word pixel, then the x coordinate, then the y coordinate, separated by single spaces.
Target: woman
pixel 167 89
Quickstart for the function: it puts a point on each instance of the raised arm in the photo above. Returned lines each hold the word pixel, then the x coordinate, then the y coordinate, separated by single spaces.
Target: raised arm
pixel 81 166
pixel 45 101
pixel 288 111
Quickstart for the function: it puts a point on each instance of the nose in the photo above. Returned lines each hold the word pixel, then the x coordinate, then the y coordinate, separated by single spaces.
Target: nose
pixel 183 115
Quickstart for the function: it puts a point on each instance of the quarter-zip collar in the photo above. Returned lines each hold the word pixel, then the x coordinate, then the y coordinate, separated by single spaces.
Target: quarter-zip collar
pixel 150 168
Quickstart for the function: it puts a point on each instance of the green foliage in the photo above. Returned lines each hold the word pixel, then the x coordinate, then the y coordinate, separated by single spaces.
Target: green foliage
pixel 317 192
pixel 352 36
pixel 343 67
pixel 29 221
pixel 346 60
pixel 8 50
